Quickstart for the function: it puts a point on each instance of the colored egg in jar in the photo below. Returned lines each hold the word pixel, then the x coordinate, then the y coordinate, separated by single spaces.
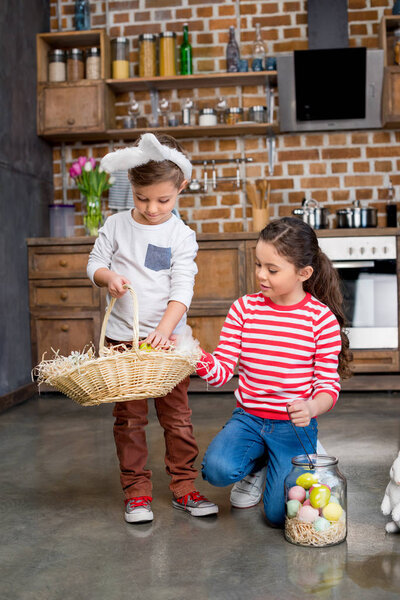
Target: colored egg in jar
pixel 319 496
pixel 306 480
pixel 307 514
pixel 321 524
pixel 332 511
pixel 292 508
pixel 297 493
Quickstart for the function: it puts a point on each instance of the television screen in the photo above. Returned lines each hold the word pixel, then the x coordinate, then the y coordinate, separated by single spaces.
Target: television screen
pixel 330 84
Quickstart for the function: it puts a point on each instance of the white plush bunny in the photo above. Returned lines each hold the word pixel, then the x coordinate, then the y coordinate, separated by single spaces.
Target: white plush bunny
pixel 391 500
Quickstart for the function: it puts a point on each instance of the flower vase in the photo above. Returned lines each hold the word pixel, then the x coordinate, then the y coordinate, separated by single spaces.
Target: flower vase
pixel 93 218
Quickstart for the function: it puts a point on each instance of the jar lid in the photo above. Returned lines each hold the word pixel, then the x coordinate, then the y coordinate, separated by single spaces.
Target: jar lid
pixel 120 40
pixel 167 34
pixel 147 36
pixel 93 51
pixel 75 52
pixel 57 52
pixel 234 109
pixel 207 111
pixel 258 108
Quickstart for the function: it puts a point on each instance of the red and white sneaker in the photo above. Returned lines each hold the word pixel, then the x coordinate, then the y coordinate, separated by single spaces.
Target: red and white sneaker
pixel 138 510
pixel 195 504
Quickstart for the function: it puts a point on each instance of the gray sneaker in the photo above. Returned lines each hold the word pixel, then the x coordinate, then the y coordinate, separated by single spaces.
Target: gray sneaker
pixel 248 491
pixel 196 504
pixel 138 510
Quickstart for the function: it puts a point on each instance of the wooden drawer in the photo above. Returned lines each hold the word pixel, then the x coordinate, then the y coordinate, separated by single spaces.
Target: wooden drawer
pixel 375 361
pixel 56 262
pixel 64 333
pixel 73 293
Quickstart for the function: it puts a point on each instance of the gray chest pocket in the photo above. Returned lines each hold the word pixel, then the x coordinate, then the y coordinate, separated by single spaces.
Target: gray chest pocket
pixel 157 258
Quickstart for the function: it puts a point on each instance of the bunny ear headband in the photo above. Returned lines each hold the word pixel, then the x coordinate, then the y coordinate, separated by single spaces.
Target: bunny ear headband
pixel 149 148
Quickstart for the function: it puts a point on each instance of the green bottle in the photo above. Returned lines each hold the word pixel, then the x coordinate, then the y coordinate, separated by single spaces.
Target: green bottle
pixel 186 53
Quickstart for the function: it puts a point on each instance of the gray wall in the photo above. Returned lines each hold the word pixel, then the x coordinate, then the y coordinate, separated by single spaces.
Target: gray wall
pixel 25 180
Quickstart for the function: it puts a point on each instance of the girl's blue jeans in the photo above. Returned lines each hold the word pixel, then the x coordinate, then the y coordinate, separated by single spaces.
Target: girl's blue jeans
pixel 246 444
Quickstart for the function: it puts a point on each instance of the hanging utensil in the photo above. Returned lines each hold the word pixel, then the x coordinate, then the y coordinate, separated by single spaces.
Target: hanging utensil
pixel 238 181
pixel 214 176
pixel 205 180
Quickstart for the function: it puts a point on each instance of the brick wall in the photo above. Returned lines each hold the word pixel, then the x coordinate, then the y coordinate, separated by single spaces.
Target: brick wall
pixel 334 168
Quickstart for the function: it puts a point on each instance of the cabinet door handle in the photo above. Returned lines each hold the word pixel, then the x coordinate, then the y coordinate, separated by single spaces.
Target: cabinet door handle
pixel 64 295
pixel 64 327
pixel 70 121
pixel 63 263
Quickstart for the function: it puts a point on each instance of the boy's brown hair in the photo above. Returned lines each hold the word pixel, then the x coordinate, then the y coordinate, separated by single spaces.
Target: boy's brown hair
pixel 156 172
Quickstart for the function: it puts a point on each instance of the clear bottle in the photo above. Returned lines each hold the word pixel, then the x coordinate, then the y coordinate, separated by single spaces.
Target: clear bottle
pixel 185 52
pixel 316 502
pixel 93 63
pixel 147 55
pixel 258 53
pixel 120 58
pixel 232 53
pixel 167 53
pixel 391 206
pixel 57 65
pixel 82 15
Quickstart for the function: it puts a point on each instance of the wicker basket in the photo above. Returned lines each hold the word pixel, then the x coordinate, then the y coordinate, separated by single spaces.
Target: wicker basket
pixel 131 374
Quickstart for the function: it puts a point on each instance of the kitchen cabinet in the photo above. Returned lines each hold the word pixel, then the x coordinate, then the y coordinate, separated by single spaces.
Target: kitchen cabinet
pixel 391 80
pixel 84 110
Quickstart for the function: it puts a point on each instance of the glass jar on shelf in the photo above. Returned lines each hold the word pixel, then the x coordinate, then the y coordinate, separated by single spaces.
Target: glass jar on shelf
pixel 120 58
pixel 75 66
pixel 396 46
pixel 147 55
pixel 258 114
pixel 93 70
pixel 233 115
pixel 207 117
pixel 316 502
pixel 167 53
pixel 57 65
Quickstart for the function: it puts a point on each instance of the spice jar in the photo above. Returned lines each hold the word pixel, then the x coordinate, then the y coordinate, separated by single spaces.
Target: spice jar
pixel 258 114
pixel 119 58
pixel 233 115
pixel 75 66
pixel 57 65
pixel 316 502
pixel 167 53
pixel 207 117
pixel 93 63
pixel 147 55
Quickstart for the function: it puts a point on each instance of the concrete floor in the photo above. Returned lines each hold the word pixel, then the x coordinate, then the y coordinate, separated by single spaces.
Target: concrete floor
pixel 63 536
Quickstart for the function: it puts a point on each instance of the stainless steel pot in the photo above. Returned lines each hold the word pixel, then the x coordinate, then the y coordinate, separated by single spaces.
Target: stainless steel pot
pixel 358 216
pixel 313 214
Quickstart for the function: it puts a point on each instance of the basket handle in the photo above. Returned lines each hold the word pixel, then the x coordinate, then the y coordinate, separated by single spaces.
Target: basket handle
pixel 135 325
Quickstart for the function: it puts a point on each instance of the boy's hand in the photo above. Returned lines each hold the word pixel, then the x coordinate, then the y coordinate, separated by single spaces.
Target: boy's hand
pixel 300 413
pixel 158 339
pixel 116 285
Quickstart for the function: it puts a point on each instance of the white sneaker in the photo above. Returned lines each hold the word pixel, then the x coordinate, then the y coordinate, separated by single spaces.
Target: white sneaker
pixel 249 490
pixel 138 510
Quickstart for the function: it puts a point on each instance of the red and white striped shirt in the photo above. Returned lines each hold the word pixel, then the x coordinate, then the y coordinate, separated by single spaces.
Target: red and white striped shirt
pixel 285 353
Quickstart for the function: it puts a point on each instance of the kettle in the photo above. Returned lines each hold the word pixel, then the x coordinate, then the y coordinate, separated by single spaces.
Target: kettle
pixel 313 214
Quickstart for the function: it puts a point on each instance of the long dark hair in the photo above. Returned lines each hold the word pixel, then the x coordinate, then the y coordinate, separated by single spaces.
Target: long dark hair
pixel 297 242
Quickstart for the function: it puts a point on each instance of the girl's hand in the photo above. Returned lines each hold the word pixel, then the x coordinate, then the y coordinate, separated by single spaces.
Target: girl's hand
pixel 158 339
pixel 300 413
pixel 116 285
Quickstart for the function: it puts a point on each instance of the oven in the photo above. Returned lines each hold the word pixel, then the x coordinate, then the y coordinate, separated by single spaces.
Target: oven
pixel 367 270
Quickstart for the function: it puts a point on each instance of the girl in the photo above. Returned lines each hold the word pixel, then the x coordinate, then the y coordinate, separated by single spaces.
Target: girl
pixel 292 349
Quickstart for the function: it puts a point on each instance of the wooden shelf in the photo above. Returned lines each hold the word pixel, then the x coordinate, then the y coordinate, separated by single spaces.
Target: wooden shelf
pixel 178 132
pixel 202 80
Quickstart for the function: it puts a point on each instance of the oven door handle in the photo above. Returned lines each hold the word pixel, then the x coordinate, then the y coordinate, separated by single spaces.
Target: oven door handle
pixel 353 264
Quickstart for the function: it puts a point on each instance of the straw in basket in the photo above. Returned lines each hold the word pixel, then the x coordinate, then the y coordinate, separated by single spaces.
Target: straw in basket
pixel 117 376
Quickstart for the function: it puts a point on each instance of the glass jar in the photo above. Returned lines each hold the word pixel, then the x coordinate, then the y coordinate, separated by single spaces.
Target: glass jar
pixel 57 65
pixel 233 115
pixel 93 63
pixel 147 55
pixel 258 114
pixel 316 502
pixel 75 66
pixel 167 53
pixel 120 58
pixel 207 117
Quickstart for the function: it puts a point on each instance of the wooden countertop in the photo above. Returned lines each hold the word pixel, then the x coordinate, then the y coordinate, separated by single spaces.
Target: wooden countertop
pixel 206 237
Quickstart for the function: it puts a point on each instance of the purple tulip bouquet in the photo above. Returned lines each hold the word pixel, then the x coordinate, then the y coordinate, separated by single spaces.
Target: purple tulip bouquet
pixel 92 181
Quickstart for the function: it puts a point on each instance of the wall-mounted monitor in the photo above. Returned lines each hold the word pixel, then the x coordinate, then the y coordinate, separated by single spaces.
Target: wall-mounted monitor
pixel 322 90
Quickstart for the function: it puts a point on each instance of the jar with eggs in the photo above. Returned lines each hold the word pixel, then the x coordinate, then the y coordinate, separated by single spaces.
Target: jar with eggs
pixel 316 502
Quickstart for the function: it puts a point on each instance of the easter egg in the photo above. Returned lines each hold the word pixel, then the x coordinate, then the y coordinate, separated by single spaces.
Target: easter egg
pixel 319 496
pixel 297 493
pixel 334 499
pixel 146 347
pixel 307 502
pixel 307 514
pixel 321 524
pixel 292 508
pixel 332 511
pixel 306 480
